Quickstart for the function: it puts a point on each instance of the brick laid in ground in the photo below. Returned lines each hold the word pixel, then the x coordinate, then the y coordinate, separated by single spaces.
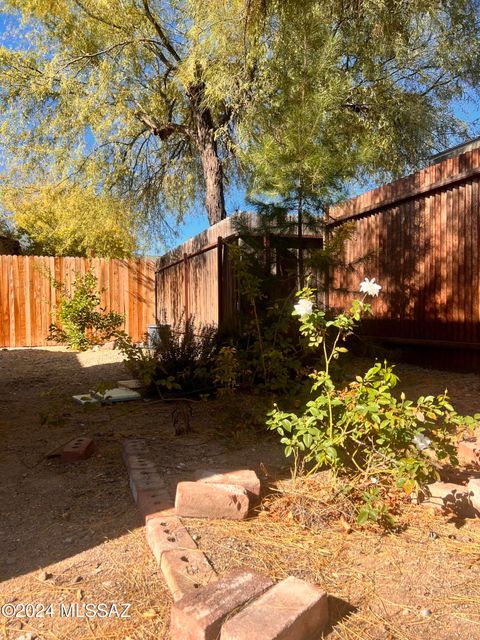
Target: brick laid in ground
pixel 142 483
pixel 134 447
pixel 245 478
pixel 79 449
pixel 165 533
pixel 447 496
pixel 153 502
pixel 469 452
pixel 208 500
pixel 291 610
pixel 139 463
pixel 200 614
pixel 185 571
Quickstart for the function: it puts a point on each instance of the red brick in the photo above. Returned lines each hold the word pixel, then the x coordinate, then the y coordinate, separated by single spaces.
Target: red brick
pixel 78 449
pixel 206 500
pixel 447 496
pixel 154 502
pixel 245 478
pixel 185 571
pixel 144 479
pixel 199 615
pixel 469 452
pixel 473 488
pixel 165 533
pixel 291 610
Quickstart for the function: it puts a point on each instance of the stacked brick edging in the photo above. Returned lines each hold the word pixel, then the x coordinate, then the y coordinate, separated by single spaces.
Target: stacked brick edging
pixel 184 567
pixel 240 605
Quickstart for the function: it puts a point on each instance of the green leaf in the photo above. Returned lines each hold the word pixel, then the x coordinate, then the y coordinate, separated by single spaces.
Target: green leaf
pixel 307 439
pixel 363 516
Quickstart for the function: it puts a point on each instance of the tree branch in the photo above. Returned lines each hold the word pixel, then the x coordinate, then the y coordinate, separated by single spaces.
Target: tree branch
pixel 161 130
pixel 98 18
pixel 166 42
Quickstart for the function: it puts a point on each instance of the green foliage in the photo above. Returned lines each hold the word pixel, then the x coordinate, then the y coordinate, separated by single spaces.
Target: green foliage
pixel 71 221
pixel 352 90
pixel 268 347
pixel 143 364
pixel 142 97
pixel 82 322
pixel 110 95
pixel 179 358
pixel 363 428
pixel 226 371
pixel 374 508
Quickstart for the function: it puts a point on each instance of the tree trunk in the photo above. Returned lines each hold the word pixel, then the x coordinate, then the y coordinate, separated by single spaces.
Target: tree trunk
pixel 211 164
pixel 213 174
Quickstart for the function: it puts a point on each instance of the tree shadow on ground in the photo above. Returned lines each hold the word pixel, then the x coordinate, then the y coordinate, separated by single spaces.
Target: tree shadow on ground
pixel 53 510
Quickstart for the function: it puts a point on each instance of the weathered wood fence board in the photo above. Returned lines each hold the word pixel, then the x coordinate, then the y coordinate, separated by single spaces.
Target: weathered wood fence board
pixel 419 237
pixel 28 299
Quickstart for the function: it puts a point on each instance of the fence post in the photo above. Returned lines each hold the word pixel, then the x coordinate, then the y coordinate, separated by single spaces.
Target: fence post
pixel 220 278
pixel 186 286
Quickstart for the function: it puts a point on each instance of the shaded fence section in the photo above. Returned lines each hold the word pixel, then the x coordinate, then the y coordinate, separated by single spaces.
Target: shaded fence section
pixel 28 299
pixel 196 279
pixel 419 237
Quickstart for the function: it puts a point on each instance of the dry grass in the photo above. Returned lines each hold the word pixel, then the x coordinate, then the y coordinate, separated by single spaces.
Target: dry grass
pixel 380 582
pixel 134 580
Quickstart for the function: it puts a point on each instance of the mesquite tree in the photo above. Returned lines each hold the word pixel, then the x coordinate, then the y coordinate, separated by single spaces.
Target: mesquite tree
pixel 112 93
pixel 163 100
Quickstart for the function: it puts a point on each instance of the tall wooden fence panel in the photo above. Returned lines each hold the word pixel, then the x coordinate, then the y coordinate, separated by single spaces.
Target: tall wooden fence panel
pixel 420 238
pixel 28 299
pixel 192 287
pixel 195 279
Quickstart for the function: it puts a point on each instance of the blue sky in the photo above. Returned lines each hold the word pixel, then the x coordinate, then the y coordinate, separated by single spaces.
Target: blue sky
pixel 468 111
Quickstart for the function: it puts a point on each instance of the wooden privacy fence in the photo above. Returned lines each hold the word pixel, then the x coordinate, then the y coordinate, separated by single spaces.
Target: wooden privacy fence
pixel 420 238
pixel 28 299
pixel 196 280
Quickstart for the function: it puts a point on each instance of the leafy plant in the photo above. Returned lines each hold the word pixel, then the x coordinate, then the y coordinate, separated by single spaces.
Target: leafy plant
pixel 226 371
pixel 269 349
pixel 363 428
pixel 142 363
pixel 82 322
pixel 178 358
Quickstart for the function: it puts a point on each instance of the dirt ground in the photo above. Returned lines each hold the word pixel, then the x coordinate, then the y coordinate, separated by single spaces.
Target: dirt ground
pixel 70 534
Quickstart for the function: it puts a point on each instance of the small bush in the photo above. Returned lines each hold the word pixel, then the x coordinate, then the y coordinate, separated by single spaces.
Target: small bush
pixel 82 322
pixel 364 429
pixel 226 371
pixel 179 358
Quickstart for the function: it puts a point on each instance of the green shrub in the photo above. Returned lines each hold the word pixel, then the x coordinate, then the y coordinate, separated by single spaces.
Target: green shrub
pixel 226 371
pixel 363 428
pixel 178 359
pixel 82 322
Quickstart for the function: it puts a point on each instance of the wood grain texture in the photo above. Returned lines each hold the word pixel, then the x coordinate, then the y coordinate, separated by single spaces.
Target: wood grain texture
pixel 28 299
pixel 424 234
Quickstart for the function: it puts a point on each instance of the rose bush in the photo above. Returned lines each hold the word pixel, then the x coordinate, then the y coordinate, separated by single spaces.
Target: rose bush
pixel 363 428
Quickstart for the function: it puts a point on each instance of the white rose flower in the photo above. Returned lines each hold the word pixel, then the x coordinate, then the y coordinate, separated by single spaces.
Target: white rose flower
pixel 421 441
pixel 303 307
pixel 370 287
